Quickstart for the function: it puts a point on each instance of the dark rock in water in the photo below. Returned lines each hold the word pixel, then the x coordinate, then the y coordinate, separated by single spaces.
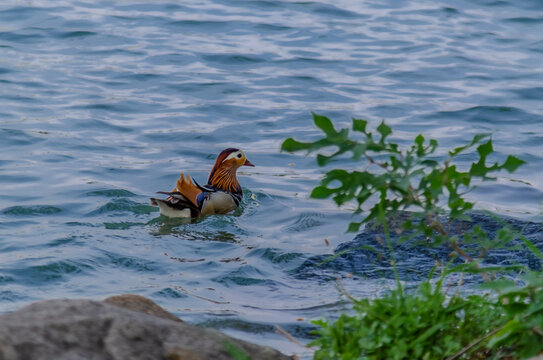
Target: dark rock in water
pixel 85 329
pixel 368 255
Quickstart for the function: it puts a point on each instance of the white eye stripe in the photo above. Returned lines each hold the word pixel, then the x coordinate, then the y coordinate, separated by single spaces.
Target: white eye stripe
pixel 234 155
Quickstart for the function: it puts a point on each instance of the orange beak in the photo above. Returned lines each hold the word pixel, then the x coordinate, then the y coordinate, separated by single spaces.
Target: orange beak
pixel 248 163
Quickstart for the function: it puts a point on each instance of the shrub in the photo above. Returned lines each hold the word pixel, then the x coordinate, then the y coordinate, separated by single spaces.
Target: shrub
pixel 422 325
pixel 426 323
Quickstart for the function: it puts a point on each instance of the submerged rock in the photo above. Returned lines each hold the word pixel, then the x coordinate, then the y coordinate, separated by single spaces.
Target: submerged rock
pixel 368 255
pixel 122 327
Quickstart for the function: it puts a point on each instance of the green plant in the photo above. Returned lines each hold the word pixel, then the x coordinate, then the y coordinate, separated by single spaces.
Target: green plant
pixel 425 324
pixel 405 179
pixel 523 331
pixel 421 325
pixel 236 352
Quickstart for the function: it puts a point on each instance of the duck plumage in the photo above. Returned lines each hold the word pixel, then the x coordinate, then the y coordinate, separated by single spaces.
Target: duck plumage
pixel 222 193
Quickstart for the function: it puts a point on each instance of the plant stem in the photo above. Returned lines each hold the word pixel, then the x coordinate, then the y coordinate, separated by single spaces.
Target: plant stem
pixel 474 343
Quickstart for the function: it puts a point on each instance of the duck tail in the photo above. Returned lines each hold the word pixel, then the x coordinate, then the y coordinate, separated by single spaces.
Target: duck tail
pixel 176 205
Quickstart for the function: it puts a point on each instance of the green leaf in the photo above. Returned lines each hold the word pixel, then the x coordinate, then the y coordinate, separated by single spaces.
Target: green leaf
pixel 531 246
pixel 384 130
pixel 429 163
pixel 485 149
pixel 292 145
pixel 354 227
pixel 323 123
pixel 323 160
pixel 322 192
pixel 235 351
pixel 336 174
pixel 359 125
pixel 512 163
pixel 429 332
pixel 511 327
pixel 457 150
pixel 476 139
pixel 419 141
pixel 358 150
pixel 478 169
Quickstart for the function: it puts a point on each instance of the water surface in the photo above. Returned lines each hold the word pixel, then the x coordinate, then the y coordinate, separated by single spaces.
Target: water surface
pixel 104 103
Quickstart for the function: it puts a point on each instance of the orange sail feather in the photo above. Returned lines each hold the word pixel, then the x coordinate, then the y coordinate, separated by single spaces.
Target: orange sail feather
pixel 186 187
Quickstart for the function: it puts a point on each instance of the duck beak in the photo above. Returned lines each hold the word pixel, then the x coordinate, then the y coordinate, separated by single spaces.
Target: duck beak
pixel 248 163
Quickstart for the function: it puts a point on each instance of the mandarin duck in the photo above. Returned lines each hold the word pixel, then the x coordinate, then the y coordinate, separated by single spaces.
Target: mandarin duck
pixel 221 195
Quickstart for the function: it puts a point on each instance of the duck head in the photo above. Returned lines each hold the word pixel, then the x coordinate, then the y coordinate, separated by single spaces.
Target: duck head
pixel 223 174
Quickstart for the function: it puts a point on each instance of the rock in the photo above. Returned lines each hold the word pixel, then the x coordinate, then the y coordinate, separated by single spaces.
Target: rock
pixel 86 329
pixel 141 304
pixel 368 256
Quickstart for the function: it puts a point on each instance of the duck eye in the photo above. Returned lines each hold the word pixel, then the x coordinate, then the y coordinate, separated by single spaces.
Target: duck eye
pixel 239 156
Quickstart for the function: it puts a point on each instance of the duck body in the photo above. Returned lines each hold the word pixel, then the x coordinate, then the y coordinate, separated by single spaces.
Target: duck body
pixel 215 201
pixel 221 195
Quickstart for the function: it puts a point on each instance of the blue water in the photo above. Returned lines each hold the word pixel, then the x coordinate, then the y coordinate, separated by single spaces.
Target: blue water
pixel 104 103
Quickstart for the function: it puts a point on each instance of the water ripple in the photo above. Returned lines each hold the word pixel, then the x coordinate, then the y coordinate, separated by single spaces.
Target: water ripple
pixel 43 210
pixel 104 103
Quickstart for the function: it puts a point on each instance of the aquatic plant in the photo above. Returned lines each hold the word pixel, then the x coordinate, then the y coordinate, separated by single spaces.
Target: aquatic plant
pixel 426 323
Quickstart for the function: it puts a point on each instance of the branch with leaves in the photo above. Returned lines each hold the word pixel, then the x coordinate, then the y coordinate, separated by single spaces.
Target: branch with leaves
pixel 399 179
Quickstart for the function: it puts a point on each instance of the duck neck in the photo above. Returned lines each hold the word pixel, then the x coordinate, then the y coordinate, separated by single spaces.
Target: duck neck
pixel 224 178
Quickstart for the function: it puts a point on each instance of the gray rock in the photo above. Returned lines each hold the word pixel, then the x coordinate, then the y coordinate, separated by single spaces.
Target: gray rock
pixel 140 304
pixel 86 329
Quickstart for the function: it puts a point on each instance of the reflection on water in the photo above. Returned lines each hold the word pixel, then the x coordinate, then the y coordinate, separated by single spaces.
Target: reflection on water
pixel 102 103
pixel 166 226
